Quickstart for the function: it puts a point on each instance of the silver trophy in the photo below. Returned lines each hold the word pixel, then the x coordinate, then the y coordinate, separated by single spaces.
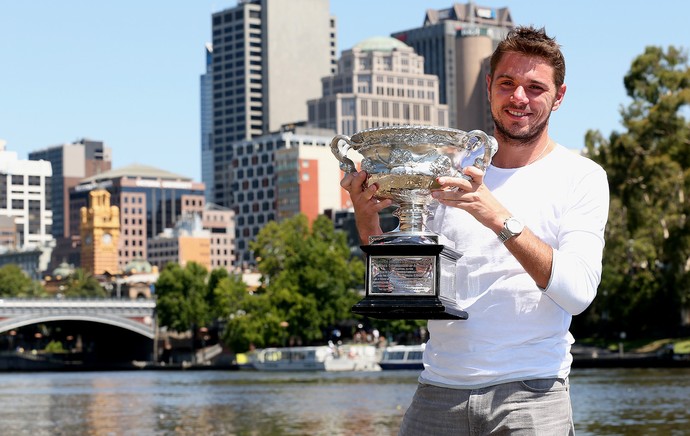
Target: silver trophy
pixel 410 271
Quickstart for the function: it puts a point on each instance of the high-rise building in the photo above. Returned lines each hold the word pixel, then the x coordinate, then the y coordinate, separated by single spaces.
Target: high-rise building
pixel 268 59
pixel 380 81
pixel 308 180
pixel 206 105
pixel 271 184
pixel 456 43
pixel 71 163
pixel 25 198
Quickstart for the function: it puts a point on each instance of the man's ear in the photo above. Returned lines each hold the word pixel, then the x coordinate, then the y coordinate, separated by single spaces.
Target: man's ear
pixel 559 97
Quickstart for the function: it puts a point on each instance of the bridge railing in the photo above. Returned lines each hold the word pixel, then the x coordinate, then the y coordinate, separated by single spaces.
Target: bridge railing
pixel 106 305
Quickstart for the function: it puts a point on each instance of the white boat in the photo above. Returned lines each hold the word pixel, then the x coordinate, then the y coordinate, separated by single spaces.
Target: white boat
pixel 316 358
pixel 402 357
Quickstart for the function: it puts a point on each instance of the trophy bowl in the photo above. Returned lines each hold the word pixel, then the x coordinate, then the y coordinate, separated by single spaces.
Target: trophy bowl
pixel 404 162
pixel 410 274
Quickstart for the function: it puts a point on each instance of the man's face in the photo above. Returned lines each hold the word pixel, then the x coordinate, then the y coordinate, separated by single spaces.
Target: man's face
pixel 522 94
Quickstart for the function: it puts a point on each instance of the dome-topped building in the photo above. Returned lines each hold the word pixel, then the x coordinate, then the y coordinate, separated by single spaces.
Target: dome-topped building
pixel 381 43
pixel 380 82
pixel 138 265
pixel 63 271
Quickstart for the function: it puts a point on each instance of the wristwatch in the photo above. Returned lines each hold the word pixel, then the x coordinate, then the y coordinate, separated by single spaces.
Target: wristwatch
pixel 511 227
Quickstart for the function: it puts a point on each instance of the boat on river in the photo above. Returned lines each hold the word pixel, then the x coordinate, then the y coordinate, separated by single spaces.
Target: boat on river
pixel 402 357
pixel 354 357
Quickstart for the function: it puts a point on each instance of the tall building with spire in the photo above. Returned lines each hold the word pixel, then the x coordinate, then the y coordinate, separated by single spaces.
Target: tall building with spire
pixel 206 105
pixel 456 43
pixel 100 234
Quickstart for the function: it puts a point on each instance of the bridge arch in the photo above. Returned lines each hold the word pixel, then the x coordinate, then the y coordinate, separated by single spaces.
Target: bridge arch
pixel 137 316
pixel 116 321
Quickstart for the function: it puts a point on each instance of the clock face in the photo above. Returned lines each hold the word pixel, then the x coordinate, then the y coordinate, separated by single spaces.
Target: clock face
pixel 88 240
pixel 107 238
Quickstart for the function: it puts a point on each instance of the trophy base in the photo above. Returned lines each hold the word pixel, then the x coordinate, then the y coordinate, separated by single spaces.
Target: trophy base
pixel 407 308
pixel 410 281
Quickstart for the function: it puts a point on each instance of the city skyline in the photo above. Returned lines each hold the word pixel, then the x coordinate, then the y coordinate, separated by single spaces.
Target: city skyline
pixel 128 74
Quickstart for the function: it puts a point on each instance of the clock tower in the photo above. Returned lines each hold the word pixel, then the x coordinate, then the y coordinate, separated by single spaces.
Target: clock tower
pixel 100 234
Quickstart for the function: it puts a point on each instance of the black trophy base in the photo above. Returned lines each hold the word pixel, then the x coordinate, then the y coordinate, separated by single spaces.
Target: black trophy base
pixel 407 308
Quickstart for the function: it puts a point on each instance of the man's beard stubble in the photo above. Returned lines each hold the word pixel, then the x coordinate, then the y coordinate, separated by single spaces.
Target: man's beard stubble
pixel 519 138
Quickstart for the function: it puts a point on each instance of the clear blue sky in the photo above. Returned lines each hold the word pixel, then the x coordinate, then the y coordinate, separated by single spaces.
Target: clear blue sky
pixel 127 72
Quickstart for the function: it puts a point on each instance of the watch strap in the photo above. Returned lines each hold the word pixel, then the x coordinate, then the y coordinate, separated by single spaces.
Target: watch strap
pixel 504 235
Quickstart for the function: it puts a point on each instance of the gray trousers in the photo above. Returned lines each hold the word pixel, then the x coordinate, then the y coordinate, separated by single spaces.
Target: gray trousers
pixel 529 407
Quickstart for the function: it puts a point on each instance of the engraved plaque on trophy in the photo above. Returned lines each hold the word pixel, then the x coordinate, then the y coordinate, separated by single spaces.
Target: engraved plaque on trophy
pixel 410 271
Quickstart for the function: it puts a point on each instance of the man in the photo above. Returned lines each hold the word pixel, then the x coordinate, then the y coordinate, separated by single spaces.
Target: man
pixel 531 233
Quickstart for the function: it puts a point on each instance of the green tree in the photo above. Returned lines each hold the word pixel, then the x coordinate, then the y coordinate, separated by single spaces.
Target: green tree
pixel 214 278
pixel 309 284
pixel 181 302
pixel 55 347
pixel 14 283
pixel 645 279
pixel 81 284
pixel 229 295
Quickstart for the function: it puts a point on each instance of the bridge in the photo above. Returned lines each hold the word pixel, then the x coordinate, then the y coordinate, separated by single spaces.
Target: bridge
pixel 137 316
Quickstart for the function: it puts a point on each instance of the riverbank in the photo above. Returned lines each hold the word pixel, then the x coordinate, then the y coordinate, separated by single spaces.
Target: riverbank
pixel 656 354
pixel 32 361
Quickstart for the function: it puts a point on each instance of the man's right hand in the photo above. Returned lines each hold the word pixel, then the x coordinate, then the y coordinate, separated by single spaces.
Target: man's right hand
pixel 365 203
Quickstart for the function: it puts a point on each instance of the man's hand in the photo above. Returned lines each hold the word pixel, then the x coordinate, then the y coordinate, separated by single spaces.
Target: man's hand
pixel 472 196
pixel 366 206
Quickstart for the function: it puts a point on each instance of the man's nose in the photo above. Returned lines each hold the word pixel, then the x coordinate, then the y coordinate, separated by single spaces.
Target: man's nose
pixel 519 95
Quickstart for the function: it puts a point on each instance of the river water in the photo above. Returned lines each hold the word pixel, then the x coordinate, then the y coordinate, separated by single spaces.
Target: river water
pixel 605 402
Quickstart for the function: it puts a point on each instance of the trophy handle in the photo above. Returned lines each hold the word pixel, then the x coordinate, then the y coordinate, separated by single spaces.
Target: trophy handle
pixel 472 141
pixel 340 145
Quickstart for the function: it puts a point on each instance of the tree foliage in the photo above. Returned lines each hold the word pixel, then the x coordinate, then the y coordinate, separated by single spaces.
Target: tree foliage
pixel 646 274
pixel 215 277
pixel 182 297
pixel 82 284
pixel 309 283
pixel 14 283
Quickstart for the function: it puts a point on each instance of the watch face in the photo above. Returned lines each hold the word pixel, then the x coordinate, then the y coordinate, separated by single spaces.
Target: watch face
pixel 514 226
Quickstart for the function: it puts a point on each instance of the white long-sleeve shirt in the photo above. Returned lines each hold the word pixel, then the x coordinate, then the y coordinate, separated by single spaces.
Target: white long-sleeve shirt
pixel 516 330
